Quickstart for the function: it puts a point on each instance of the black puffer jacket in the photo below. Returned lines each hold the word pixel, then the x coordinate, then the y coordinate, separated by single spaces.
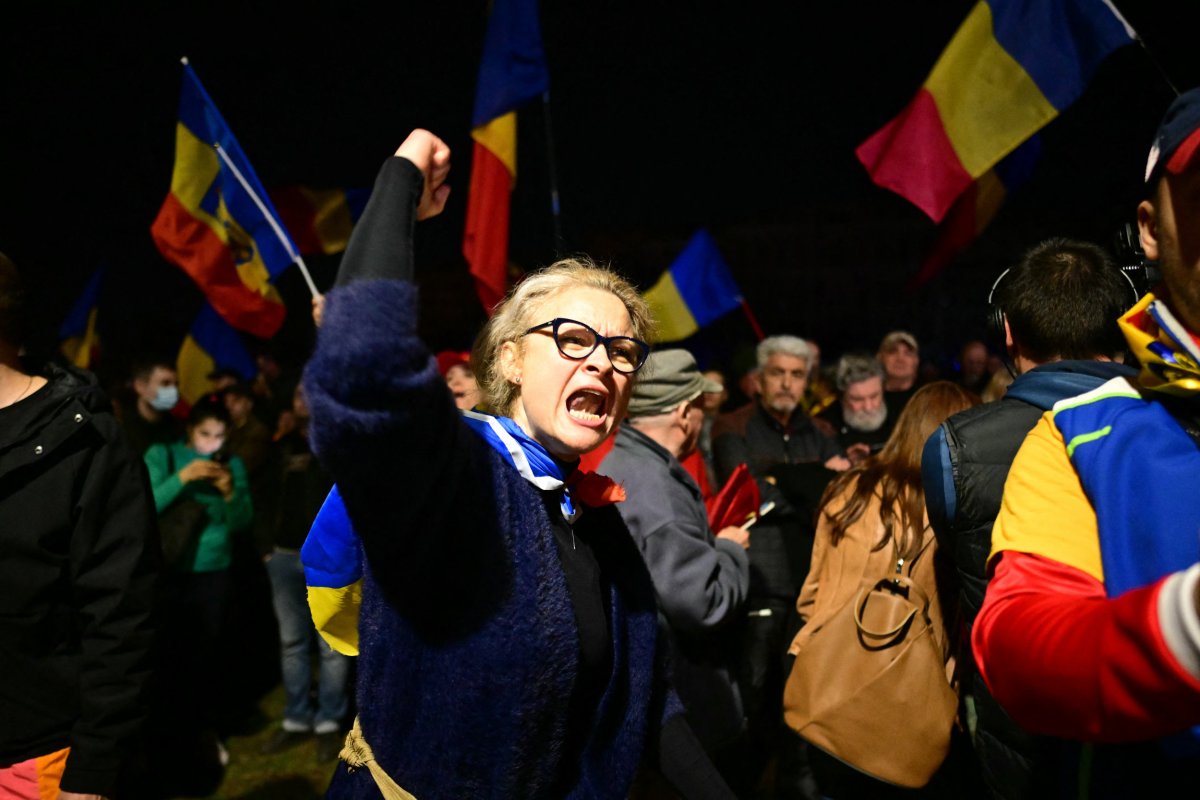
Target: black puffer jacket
pixel 78 561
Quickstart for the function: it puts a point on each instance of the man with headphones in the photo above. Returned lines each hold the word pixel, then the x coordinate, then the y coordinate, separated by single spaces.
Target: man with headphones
pixel 1090 629
pixel 1055 315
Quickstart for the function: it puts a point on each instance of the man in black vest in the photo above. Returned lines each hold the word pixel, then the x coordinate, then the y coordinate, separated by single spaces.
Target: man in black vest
pixel 1057 311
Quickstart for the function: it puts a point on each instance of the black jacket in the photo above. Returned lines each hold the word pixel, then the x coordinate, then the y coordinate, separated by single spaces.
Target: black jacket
pixel 788 462
pixel 79 556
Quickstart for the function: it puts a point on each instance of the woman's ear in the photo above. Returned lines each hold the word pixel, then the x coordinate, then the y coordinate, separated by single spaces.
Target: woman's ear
pixel 510 362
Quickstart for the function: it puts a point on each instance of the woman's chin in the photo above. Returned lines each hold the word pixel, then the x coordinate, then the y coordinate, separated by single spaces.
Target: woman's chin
pixel 579 442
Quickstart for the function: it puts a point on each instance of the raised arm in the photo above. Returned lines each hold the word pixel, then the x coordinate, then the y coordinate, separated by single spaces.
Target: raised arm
pixel 410 187
pixel 383 422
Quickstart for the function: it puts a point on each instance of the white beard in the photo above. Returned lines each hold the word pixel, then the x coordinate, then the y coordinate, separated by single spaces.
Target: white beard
pixel 865 421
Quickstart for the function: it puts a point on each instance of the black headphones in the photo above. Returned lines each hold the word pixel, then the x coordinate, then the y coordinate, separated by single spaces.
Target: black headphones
pixel 995 317
pixel 995 314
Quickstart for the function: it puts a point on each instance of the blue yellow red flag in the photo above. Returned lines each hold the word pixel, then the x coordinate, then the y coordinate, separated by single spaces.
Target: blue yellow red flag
pixel 512 72
pixel 1012 67
pixel 975 208
pixel 217 222
pixel 319 220
pixel 695 290
pixel 210 344
pixel 77 334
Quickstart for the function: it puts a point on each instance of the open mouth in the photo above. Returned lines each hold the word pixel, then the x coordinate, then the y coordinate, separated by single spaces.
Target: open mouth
pixel 587 406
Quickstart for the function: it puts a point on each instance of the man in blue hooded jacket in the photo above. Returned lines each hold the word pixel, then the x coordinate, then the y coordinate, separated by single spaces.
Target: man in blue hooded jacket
pixel 1057 310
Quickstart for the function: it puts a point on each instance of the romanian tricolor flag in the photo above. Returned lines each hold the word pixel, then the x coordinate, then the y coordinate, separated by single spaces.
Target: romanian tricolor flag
pixel 78 336
pixel 512 72
pixel 319 220
pixel 977 207
pixel 1012 67
pixel 217 222
pixel 210 345
pixel 694 291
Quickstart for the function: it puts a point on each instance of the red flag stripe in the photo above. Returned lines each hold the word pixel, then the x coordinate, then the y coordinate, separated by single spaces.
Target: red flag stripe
pixel 485 242
pixel 915 144
pixel 184 240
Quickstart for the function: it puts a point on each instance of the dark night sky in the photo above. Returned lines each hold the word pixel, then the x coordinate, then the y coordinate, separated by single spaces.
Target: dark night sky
pixel 739 118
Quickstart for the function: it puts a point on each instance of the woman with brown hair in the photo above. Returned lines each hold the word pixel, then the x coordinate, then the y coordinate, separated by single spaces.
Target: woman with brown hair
pixel 872 516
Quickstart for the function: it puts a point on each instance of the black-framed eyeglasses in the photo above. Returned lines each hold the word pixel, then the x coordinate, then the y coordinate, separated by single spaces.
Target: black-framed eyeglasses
pixel 577 341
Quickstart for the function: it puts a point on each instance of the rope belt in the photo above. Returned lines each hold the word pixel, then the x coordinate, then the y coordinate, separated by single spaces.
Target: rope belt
pixel 357 753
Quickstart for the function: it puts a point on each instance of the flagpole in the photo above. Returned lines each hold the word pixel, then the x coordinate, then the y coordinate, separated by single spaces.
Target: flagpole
pixel 1137 37
pixel 758 331
pixel 1162 73
pixel 555 208
pixel 262 207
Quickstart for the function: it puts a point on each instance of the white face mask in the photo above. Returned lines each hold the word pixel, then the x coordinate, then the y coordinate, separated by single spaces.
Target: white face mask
pixel 208 448
pixel 165 398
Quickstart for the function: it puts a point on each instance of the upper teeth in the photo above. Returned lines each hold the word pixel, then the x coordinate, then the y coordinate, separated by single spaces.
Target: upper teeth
pixel 585 404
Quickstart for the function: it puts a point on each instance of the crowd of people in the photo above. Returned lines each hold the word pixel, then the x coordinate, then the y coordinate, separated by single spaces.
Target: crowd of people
pixel 550 605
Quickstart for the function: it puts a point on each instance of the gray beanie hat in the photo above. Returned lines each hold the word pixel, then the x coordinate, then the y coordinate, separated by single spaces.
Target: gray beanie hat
pixel 669 378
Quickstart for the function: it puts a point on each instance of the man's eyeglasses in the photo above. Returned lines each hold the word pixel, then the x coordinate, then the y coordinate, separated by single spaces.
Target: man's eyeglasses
pixel 577 341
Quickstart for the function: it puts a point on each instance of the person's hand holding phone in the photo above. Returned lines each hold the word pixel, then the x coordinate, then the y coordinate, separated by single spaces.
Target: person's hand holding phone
pixel 201 470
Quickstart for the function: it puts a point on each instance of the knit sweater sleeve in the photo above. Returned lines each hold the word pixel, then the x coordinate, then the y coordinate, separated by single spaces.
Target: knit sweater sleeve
pixel 382 421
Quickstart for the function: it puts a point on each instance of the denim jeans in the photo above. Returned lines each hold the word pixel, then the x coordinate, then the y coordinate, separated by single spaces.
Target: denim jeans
pixel 297 639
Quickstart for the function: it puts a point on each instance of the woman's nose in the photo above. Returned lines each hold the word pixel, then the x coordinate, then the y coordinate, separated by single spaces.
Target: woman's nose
pixel 599 360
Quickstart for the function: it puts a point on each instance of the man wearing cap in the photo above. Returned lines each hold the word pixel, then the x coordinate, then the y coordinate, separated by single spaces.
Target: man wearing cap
pixel 901 359
pixel 1090 628
pixel 701 579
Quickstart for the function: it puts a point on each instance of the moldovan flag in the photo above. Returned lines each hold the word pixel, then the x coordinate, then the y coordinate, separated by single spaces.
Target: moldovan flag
pixel 694 291
pixel 1012 67
pixel 513 72
pixel 77 334
pixel 210 345
pixel 217 223
pixel 319 220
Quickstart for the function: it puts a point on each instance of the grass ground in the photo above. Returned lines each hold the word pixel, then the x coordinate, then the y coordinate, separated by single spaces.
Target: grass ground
pixel 294 774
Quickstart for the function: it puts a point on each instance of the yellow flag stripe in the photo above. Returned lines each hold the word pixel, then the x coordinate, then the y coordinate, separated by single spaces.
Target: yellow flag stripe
pixel 674 319
pixel 500 137
pixel 193 366
pixel 335 615
pixel 981 128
